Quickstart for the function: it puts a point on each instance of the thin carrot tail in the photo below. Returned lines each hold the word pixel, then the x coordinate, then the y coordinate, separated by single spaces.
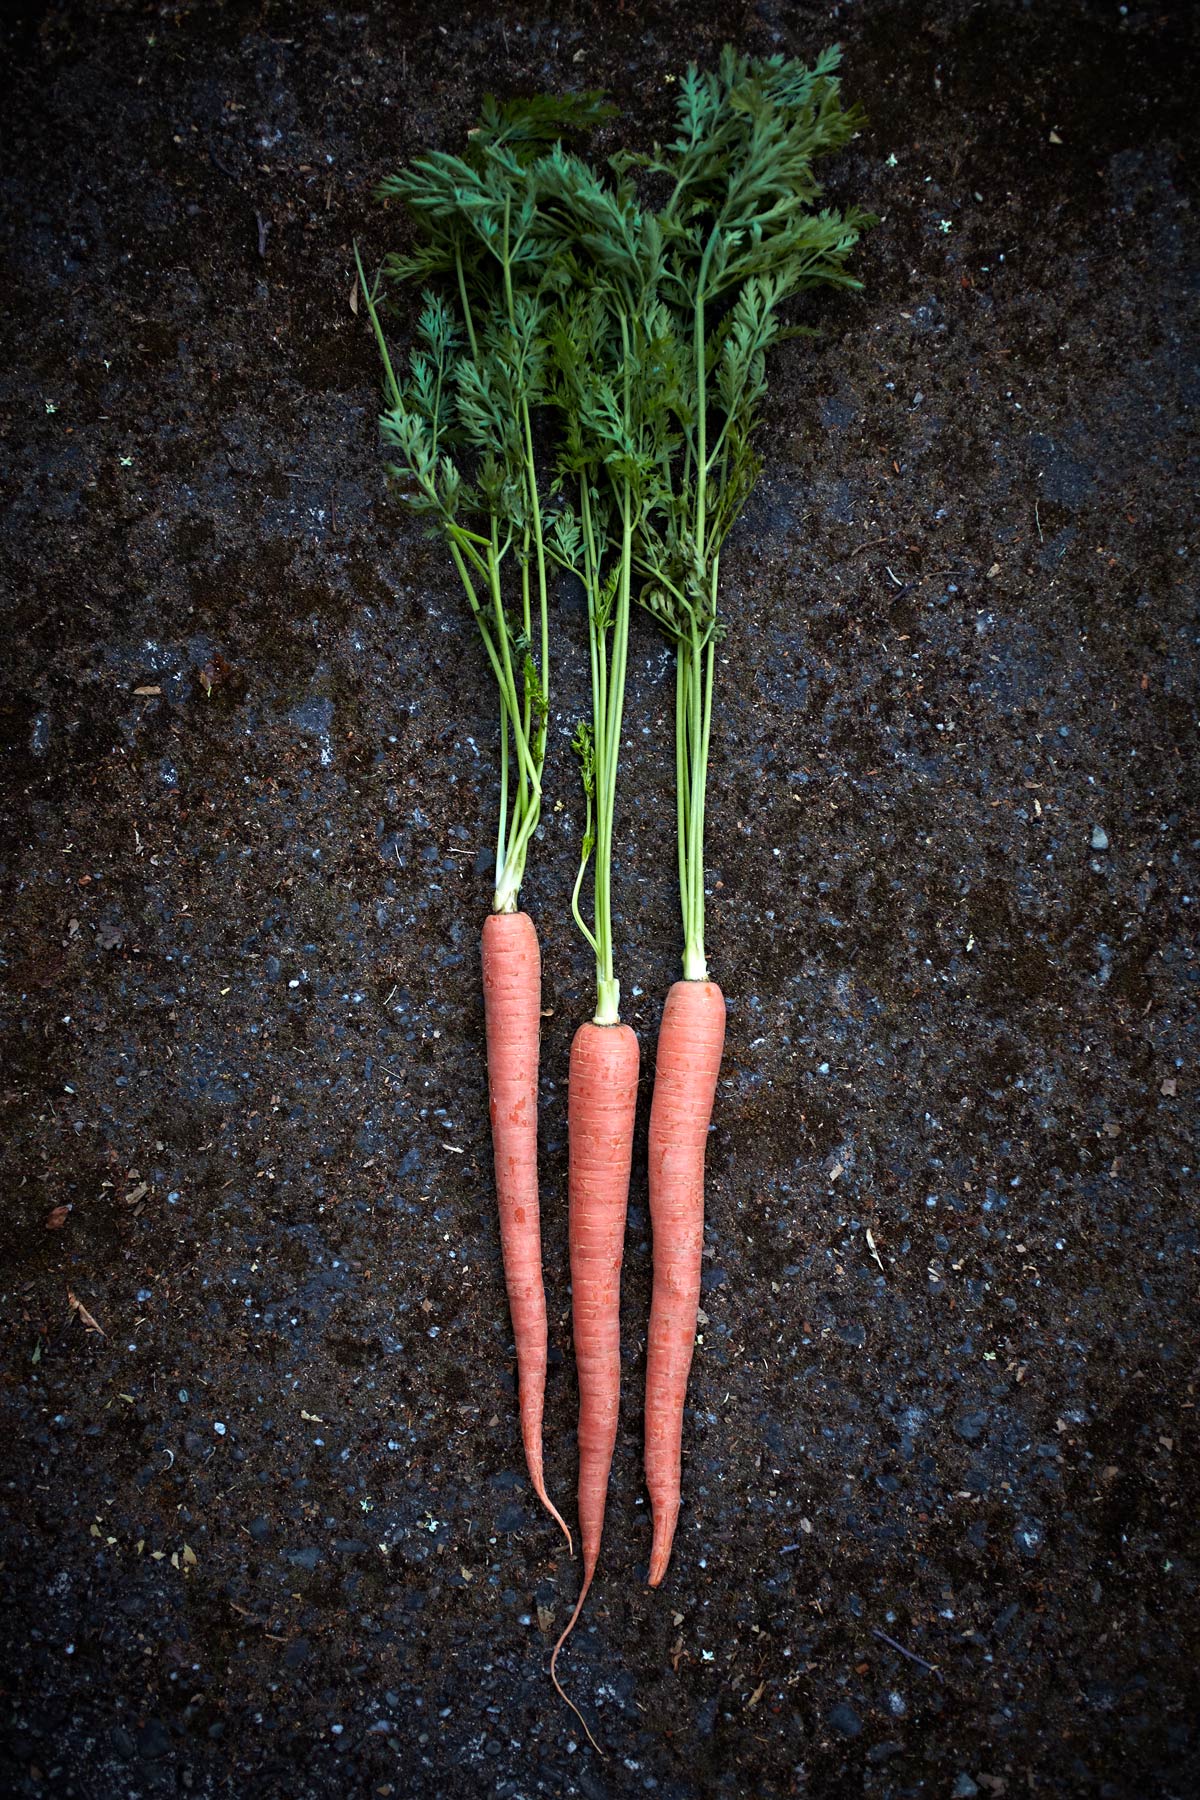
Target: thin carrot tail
pixel 571 1623
pixel 690 1043
pixel 534 1461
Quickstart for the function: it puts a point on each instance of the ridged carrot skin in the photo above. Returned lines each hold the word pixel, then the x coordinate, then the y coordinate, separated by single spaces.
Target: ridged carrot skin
pixel 690 1043
pixel 601 1104
pixel 512 1005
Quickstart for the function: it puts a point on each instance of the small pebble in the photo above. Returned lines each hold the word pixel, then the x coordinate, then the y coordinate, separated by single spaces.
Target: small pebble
pixel 1099 838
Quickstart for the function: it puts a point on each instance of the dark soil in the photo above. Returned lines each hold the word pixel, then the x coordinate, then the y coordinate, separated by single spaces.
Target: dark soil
pixel 270 1534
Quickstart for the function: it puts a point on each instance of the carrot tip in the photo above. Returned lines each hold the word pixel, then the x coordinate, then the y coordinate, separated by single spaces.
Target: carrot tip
pixel 660 1555
pixel 587 1582
pixel 550 1507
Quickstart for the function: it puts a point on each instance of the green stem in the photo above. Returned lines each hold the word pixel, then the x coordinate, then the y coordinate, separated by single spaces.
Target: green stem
pixel 501 832
pixel 389 373
pixel 698 351
pixel 681 782
pixel 466 304
pixel 583 863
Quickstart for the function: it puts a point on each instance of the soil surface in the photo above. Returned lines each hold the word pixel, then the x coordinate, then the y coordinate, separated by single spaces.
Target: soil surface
pixel 268 1530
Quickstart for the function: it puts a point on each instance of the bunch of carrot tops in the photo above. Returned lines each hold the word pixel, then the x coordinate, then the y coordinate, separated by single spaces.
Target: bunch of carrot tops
pixel 583 397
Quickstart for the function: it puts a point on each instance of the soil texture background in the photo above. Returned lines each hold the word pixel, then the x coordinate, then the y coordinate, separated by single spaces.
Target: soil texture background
pixel 267 1529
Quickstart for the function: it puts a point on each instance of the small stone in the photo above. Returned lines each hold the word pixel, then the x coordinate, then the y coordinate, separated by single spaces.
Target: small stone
pixel 971 1426
pixel 1099 838
pixel 1028 1538
pixel 845 1720
pixel 964 1788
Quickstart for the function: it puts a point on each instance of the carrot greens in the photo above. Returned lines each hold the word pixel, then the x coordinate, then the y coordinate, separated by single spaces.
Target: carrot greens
pixel 742 238
pixel 460 423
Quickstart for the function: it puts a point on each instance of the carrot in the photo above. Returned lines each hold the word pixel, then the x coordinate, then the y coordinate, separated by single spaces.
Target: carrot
pixel 597 345
pixel 743 237
pixel 601 1102
pixel 685 1084
pixel 459 425
pixel 512 1003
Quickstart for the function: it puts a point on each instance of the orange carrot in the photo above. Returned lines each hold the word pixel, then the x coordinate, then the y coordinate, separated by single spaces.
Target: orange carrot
pixel 512 1003
pixel 601 1103
pixel 685 1084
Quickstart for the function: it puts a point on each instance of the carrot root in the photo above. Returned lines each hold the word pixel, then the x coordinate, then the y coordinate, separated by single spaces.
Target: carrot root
pixel 562 1693
pixel 512 1002
pixel 690 1043
pixel 602 1100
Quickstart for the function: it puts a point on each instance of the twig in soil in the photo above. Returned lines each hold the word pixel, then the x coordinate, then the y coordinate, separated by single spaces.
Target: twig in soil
pixel 894 576
pixel 874 543
pixel 911 1654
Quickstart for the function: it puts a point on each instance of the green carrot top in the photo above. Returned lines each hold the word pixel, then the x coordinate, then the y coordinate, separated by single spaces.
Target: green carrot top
pixel 662 352
pixel 460 422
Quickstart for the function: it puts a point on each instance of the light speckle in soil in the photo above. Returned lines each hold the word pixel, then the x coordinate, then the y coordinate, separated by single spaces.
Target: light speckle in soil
pixel 267 1527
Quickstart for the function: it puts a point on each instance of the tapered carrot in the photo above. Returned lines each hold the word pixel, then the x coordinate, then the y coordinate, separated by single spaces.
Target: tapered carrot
pixel 685 1084
pixel 743 236
pixel 598 546
pixel 601 1102
pixel 512 1004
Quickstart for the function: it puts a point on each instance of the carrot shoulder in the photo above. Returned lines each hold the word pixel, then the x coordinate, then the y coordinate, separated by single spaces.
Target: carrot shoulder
pixel 512 1001
pixel 689 1060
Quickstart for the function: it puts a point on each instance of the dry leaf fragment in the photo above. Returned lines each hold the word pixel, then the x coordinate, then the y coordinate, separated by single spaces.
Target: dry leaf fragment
pixel 676 1654
pixel 56 1218
pixel 85 1317
pixel 312 1418
pixel 189 1557
pixel 545 1619
pixel 756 1696
pixel 354 297
pixel 148 691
